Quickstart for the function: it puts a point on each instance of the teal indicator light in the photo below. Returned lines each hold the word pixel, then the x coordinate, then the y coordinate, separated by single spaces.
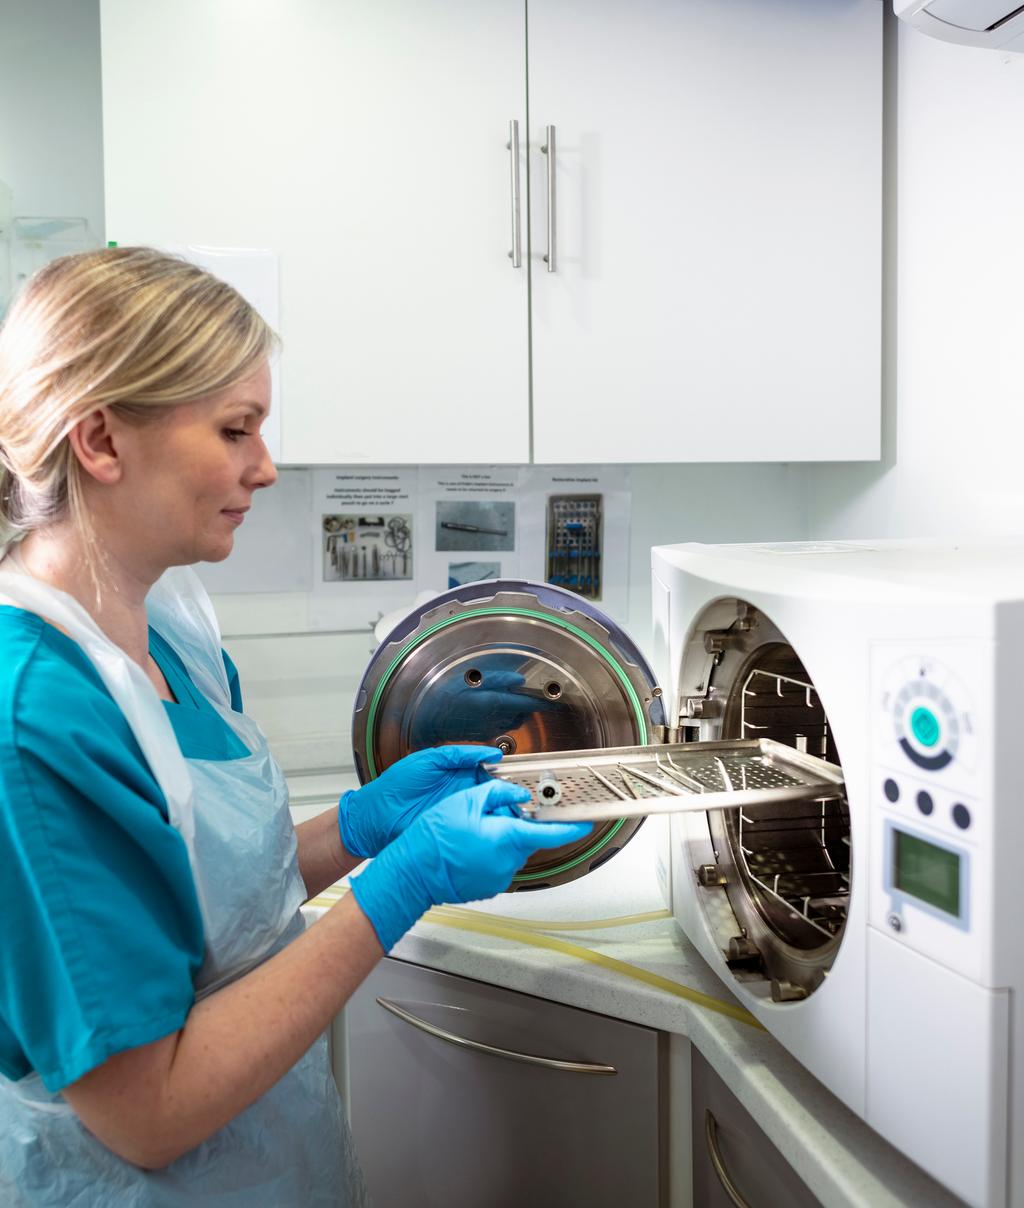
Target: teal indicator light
pixel 925 726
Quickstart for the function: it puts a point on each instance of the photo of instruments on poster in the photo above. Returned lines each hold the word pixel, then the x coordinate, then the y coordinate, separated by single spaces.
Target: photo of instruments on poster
pixel 367 547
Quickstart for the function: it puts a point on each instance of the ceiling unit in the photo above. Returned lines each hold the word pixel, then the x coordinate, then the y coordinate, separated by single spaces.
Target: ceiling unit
pixel 997 24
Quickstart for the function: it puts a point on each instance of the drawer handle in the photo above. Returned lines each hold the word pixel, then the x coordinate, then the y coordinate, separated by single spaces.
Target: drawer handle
pixel 551 1063
pixel 516 254
pixel 711 1133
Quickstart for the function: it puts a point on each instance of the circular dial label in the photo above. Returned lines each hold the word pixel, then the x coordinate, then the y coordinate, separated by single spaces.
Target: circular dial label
pixel 926 724
pixel 926 712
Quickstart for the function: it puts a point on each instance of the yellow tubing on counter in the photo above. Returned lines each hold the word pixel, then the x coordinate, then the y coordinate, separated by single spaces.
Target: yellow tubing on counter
pixel 468 920
pixel 336 892
pixel 505 928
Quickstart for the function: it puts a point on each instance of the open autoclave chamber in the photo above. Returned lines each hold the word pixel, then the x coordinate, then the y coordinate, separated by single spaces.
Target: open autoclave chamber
pixel 567 695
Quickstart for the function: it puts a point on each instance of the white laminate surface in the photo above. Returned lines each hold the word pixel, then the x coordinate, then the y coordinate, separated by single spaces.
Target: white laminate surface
pixel 844 1162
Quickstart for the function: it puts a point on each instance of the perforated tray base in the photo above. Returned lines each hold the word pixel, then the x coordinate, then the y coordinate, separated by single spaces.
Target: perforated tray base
pixel 629 782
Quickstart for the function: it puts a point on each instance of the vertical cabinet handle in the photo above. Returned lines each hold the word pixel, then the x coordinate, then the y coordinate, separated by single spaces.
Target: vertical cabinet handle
pixel 728 1186
pixel 550 1063
pixel 549 150
pixel 516 254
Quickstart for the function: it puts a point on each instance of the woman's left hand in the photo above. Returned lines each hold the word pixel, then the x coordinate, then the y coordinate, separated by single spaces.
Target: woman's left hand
pixel 371 816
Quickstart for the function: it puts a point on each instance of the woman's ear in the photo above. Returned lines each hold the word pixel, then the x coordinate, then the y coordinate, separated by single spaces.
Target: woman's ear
pixel 93 443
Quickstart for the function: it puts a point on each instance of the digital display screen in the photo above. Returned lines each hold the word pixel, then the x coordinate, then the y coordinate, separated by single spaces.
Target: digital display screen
pixel 927 872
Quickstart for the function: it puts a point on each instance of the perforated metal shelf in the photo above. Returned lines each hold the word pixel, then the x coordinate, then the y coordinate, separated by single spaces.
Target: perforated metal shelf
pixel 629 782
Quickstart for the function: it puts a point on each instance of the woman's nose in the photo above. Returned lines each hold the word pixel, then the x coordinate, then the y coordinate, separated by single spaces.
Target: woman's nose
pixel 263 473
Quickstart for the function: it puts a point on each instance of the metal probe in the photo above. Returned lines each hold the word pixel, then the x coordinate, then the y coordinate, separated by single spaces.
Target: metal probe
pixel 473 528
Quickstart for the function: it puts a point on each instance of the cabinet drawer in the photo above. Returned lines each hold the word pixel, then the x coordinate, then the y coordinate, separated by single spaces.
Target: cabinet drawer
pixel 439 1123
pixel 760 1176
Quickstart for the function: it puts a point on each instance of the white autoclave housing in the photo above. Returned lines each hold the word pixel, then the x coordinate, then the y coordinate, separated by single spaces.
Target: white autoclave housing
pixel 875 934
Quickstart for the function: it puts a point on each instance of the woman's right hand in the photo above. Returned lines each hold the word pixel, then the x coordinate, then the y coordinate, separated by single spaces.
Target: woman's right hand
pixel 469 846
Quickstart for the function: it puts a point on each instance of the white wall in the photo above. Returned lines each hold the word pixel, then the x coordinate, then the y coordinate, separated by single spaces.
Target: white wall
pixel 953 446
pixel 677 503
pixel 51 130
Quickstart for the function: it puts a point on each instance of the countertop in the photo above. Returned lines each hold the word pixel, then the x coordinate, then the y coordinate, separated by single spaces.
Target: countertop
pixel 842 1160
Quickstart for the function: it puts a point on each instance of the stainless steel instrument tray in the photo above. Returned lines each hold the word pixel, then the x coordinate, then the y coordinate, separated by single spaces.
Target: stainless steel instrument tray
pixel 629 782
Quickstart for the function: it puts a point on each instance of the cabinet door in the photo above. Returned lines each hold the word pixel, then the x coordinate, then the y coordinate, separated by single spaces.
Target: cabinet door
pixel 734 1162
pixel 365 142
pixel 717 284
pixel 438 1124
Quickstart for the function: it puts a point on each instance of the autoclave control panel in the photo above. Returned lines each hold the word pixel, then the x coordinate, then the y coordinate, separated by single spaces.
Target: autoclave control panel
pixel 931 793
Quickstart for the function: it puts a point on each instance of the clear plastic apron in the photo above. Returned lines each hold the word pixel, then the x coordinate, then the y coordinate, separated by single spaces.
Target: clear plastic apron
pixel 292 1147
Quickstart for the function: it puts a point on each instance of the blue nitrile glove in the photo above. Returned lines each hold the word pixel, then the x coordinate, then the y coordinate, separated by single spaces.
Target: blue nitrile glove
pixel 465 848
pixel 370 817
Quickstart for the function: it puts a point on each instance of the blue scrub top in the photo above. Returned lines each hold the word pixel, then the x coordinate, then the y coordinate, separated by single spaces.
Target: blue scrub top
pixel 100 929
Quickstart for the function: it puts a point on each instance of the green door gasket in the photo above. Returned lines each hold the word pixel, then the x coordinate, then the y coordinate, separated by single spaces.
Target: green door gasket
pixel 540 616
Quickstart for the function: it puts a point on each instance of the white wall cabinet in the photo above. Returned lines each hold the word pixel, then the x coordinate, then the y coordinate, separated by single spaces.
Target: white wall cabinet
pixel 717 198
pixel 718 194
pixel 364 141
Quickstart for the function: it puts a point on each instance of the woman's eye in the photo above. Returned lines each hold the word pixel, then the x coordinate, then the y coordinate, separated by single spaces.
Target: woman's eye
pixel 234 433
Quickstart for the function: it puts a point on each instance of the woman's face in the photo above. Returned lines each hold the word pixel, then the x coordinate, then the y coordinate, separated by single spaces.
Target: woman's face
pixel 189 478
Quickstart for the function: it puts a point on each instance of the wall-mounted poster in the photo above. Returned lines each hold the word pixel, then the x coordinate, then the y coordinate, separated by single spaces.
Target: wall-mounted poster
pixel 364 534
pixel 574 531
pixel 471 516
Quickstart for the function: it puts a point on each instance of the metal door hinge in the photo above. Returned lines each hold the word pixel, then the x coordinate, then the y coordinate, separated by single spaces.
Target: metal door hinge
pixel 687 731
pixel 710 875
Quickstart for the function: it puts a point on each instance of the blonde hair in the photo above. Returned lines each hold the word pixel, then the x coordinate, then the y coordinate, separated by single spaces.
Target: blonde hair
pixel 127 328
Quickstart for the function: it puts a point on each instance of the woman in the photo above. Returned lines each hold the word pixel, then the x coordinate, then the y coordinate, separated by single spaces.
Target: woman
pixel 162 1008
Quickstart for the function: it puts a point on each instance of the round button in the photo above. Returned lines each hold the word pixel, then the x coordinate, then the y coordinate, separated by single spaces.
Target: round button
pixel 892 790
pixel 925 726
pixel 962 816
pixel 924 802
